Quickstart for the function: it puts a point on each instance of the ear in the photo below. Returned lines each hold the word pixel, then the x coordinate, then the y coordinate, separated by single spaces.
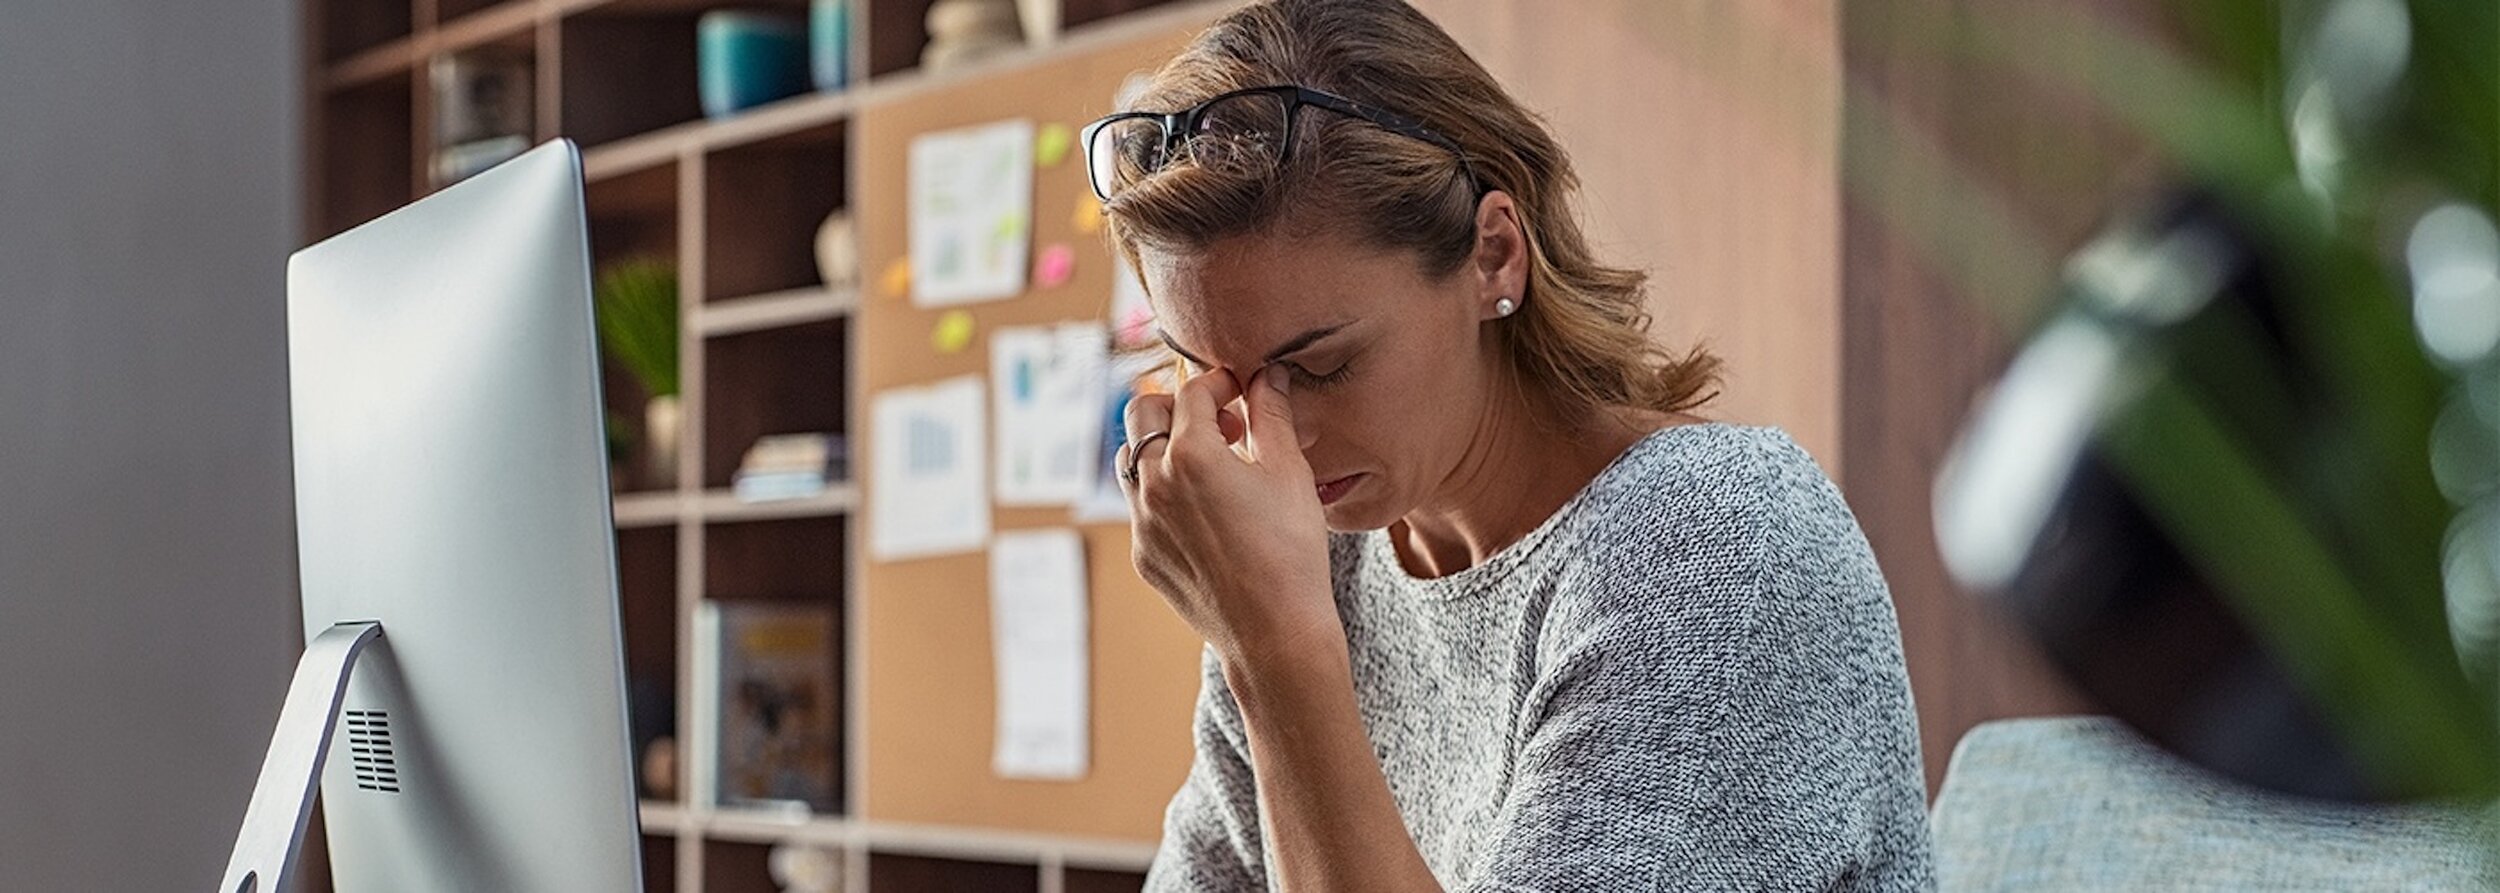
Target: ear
pixel 1499 267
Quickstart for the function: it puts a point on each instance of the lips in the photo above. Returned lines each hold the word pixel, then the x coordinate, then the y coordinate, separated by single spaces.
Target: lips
pixel 1331 491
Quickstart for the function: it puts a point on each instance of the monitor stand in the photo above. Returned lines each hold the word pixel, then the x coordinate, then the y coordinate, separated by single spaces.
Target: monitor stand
pixel 290 777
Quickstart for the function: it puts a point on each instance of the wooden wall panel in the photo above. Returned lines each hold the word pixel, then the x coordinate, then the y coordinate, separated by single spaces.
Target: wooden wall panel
pixel 1922 341
pixel 1706 135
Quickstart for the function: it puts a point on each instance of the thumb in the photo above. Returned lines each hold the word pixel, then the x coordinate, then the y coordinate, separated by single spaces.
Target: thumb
pixel 1271 436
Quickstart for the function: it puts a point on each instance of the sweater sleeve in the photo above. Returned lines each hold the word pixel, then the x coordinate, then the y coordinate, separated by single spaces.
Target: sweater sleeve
pixel 1211 833
pixel 1721 710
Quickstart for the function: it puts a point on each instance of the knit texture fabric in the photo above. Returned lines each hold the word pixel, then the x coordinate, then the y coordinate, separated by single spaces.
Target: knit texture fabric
pixel 1688 678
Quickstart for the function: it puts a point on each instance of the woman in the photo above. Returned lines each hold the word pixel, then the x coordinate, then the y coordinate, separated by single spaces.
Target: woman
pixel 1486 607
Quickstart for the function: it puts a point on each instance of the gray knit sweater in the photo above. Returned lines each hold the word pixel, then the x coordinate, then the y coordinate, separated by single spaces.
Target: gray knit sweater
pixel 1688 678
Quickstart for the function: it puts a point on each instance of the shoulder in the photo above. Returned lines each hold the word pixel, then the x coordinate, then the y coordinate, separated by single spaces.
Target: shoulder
pixel 1700 524
pixel 1702 494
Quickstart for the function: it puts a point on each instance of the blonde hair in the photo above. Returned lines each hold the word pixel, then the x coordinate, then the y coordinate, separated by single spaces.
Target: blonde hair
pixel 1582 330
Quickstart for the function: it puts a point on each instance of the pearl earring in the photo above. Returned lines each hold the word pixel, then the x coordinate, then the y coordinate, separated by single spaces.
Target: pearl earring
pixel 1504 307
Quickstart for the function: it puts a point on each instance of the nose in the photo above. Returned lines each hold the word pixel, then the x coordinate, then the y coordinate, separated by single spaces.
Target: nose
pixel 1305 421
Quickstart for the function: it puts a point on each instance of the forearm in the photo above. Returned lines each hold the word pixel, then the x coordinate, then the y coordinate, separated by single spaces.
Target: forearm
pixel 1331 822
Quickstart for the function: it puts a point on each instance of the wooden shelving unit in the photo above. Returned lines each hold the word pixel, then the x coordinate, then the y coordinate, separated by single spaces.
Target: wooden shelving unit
pixel 767 348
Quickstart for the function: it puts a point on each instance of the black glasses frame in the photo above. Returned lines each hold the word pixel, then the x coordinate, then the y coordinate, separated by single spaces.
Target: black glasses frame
pixel 1179 126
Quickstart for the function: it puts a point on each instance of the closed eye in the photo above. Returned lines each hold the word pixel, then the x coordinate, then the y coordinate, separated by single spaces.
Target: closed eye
pixel 1305 376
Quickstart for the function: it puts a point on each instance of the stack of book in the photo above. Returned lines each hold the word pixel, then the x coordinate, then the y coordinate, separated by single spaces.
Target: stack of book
pixel 790 466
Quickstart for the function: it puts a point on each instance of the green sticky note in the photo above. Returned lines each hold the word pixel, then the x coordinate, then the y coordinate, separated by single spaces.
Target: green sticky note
pixel 1051 145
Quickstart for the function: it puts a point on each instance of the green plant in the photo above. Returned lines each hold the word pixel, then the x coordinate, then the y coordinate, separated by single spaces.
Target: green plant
pixel 637 310
pixel 2325 463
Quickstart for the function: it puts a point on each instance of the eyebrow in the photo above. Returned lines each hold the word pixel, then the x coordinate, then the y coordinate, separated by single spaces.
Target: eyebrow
pixel 1296 343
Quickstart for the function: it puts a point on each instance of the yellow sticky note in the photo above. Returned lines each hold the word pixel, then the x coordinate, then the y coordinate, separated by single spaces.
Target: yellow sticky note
pixel 1051 145
pixel 953 332
pixel 896 281
pixel 1088 216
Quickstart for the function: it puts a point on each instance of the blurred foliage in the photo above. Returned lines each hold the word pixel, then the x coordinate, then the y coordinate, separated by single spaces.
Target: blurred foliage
pixel 637 310
pixel 2354 148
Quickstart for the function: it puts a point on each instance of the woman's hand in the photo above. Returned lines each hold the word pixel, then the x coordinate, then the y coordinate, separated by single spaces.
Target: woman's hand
pixel 1231 535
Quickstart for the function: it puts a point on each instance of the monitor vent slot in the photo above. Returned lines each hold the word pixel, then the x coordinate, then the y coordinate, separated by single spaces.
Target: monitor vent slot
pixel 369 747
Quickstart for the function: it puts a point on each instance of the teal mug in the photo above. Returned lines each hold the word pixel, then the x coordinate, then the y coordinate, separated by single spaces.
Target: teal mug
pixel 744 59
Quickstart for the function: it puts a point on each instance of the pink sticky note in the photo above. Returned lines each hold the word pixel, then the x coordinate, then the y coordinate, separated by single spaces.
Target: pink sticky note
pixel 1054 266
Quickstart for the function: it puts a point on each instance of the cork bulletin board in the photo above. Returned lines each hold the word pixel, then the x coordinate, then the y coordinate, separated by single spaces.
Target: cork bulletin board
pixel 927 684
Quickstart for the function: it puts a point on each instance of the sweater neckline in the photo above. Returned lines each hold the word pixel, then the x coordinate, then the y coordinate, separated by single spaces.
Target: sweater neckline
pixel 1381 553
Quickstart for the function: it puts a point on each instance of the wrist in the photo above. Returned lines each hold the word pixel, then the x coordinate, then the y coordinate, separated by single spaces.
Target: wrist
pixel 1286 670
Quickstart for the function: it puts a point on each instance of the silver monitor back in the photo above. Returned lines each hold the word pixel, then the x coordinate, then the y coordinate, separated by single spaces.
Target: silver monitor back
pixel 451 483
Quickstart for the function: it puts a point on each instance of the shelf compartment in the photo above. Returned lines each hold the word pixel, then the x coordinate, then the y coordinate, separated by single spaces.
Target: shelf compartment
pixel 498 72
pixel 798 562
pixel 629 65
pixel 634 216
pixel 788 560
pixel 785 380
pixel 352 26
pixel 763 203
pixel 367 66
pixel 366 154
pixel 897 31
pixel 899 873
pixel 646 572
pixel 472 23
pixel 626 70
pixel 659 864
pixel 734 867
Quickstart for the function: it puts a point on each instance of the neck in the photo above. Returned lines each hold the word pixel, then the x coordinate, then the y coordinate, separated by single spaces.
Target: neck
pixel 1520 466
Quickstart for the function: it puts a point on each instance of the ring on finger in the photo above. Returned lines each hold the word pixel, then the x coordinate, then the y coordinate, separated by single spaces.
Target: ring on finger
pixel 1137 453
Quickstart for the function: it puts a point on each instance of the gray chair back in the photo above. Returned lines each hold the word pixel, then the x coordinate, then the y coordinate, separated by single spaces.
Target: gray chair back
pixel 2084 804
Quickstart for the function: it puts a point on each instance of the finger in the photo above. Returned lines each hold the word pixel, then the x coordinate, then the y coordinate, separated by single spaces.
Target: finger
pixel 1271 436
pixel 1232 424
pixel 1200 398
pixel 1147 414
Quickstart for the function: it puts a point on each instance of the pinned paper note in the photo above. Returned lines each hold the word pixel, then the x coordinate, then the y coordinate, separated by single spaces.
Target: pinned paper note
pixel 1050 147
pixel 971 213
pixel 1053 267
pixel 1037 635
pixel 953 333
pixel 1106 502
pixel 1049 385
pixel 928 483
pixel 896 280
pixel 1087 218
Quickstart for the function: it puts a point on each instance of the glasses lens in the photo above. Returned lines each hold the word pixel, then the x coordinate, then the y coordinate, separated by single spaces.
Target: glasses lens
pixel 1123 151
pixel 1242 134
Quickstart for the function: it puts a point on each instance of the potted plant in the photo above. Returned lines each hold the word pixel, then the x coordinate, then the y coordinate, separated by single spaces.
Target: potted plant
pixel 638 317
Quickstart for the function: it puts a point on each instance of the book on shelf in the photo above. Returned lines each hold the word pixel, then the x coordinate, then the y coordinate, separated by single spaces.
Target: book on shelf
pixel 769 706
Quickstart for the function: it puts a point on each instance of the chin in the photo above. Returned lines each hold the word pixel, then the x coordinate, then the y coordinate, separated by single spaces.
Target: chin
pixel 1353 518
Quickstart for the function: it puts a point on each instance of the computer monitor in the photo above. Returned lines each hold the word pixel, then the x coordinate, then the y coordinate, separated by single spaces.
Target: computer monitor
pixel 458 559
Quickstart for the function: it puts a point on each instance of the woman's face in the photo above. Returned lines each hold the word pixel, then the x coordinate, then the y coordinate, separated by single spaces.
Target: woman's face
pixel 1391 369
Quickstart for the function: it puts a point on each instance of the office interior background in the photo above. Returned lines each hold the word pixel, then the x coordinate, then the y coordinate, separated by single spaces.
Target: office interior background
pixel 1872 210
